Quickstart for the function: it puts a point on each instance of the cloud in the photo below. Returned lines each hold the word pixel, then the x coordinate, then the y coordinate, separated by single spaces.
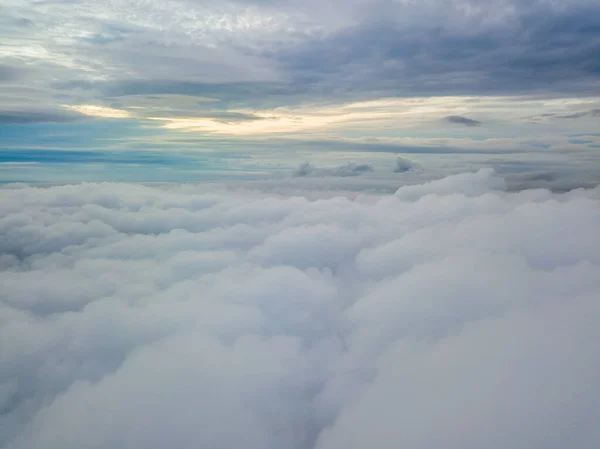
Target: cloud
pixel 304 169
pixel 580 141
pixel 450 314
pixel 96 157
pixel 349 169
pixel 38 116
pixel 403 165
pixel 436 48
pixel 460 120
pixel 571 115
pixel 280 53
pixel 590 113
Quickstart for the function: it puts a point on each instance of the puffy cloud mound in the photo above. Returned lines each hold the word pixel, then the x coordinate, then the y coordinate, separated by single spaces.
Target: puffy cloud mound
pixel 449 315
pixel 403 165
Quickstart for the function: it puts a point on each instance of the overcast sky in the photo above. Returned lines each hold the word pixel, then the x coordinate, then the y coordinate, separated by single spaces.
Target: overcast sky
pixel 261 85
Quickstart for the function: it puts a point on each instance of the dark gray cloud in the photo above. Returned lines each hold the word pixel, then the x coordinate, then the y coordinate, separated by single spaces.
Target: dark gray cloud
pixel 543 51
pixel 590 113
pixel 558 181
pixel 24 22
pixel 403 165
pixel 460 120
pixel 395 148
pixel 349 169
pixel 25 117
pixel 552 175
pixel 392 49
pixel 572 115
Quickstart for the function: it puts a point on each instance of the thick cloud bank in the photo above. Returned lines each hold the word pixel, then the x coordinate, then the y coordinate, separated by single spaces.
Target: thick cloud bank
pixel 450 315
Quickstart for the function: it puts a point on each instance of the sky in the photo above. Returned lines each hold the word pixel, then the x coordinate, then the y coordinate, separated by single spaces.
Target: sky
pixel 319 224
pixel 189 90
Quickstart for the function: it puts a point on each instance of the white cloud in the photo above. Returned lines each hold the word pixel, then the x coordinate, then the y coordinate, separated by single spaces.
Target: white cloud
pixel 448 315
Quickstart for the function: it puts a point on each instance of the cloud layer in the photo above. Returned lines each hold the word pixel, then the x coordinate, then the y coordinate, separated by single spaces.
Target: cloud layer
pixel 261 53
pixel 448 315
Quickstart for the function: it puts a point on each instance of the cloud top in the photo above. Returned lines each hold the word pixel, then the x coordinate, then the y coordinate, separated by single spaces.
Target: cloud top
pixel 448 315
pixel 403 165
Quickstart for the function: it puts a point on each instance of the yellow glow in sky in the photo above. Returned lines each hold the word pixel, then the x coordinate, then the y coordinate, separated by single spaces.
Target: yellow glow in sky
pixel 98 111
pixel 373 115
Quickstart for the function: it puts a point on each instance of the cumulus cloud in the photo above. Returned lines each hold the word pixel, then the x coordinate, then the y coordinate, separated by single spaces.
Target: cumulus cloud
pixel 451 314
pixel 460 120
pixel 349 169
pixel 403 165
